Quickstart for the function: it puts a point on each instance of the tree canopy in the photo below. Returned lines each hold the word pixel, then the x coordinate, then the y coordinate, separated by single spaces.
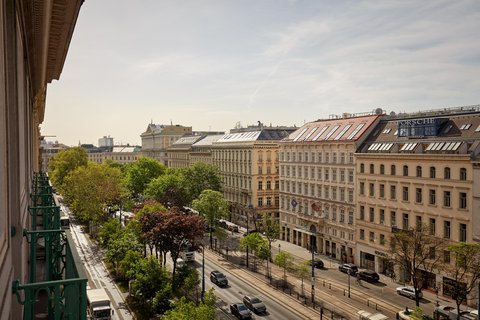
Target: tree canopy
pixel 200 177
pixel 140 173
pixel 63 163
pixel 168 189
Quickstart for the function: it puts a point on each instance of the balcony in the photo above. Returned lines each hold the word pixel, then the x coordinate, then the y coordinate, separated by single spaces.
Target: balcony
pixel 57 283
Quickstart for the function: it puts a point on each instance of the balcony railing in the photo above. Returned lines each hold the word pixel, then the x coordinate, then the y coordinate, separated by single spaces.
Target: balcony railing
pixel 57 283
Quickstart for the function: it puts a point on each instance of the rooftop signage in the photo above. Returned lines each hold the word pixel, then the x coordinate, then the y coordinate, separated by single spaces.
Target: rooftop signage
pixel 418 128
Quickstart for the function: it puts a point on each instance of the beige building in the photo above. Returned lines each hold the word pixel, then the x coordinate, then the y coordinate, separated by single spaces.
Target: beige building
pixel 202 149
pixel 120 154
pixel 48 150
pixel 34 40
pixel 418 169
pixel 158 138
pixel 248 163
pixel 179 152
pixel 317 190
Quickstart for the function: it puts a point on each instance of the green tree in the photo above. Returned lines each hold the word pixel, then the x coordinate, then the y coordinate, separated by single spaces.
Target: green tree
pixel 129 262
pixel 271 230
pixel 303 270
pixel 117 249
pixel 65 162
pixel 255 243
pixel 415 250
pixel 168 189
pixel 150 278
pixel 212 205
pixel 91 188
pixel 200 177
pixel 465 270
pixel 110 230
pixel 140 173
pixel 185 310
pixel 284 260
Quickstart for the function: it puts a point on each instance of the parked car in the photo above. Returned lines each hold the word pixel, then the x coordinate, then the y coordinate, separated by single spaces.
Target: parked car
pixel 254 304
pixel 317 263
pixel 240 311
pixel 369 276
pixel 233 228
pixel 348 268
pixel 222 224
pixel 218 278
pixel 408 292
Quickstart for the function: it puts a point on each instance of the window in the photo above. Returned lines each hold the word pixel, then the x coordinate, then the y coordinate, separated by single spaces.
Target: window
pixel 405 193
pixel 393 218
pixel 334 175
pixel 419 171
pixel 371 237
pixel 350 217
pixel 260 170
pixel 382 239
pixel 382 216
pixel 446 173
pixel 362 234
pixel 446 229
pixel 463 174
pixel 269 201
pixel 362 168
pixel 350 195
pixel 350 157
pixel 462 201
pixel 446 198
pixel 342 175
pixel 393 192
pixel 405 221
pixel 431 226
pixel 382 191
pixel 405 171
pixel 260 185
pixel 393 170
pixel 432 196
pixel 462 232
pixel 362 213
pixel 418 195
pixel 269 185
pixel 372 169
pixel 362 188
pixel 260 202
pixel 372 215
pixel 382 169
pixel 342 215
pixel 327 174
pixel 432 172
pixel 350 176
pixel 446 256
pixel 418 222
pixel 371 189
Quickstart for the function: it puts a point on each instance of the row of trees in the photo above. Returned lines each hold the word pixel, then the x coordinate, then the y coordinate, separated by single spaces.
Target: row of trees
pixel 137 252
pixel 417 251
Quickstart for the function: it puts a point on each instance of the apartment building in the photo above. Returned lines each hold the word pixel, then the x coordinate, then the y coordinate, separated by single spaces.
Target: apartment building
pixel 157 138
pixel 317 184
pixel 179 152
pixel 120 154
pixel 418 169
pixel 248 162
pixel 202 149
pixel 34 41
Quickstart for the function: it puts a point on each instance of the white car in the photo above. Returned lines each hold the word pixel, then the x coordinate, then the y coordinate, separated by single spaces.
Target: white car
pixel 408 292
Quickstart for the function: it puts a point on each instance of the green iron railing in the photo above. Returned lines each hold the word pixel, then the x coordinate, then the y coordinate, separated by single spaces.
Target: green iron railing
pixel 61 294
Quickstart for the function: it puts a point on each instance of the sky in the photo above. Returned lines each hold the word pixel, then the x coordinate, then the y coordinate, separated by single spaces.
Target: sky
pixel 211 64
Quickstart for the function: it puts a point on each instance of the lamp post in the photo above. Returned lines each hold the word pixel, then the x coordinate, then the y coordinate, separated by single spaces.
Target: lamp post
pixel 203 272
pixel 313 270
pixel 279 248
pixel 348 284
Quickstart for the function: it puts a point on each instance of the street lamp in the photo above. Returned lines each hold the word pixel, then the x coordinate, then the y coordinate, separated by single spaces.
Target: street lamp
pixel 203 272
pixel 313 269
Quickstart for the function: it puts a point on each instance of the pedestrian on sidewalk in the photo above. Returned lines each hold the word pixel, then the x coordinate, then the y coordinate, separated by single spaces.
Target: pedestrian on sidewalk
pixel 359 281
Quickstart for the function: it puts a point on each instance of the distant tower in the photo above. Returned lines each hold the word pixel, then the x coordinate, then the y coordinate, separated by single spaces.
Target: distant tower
pixel 105 142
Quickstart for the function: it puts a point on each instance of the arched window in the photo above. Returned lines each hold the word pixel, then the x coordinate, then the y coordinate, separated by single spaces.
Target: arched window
pixel 393 170
pixel 463 174
pixel 419 171
pixel 446 173
pixel 432 172
pixel 405 171
pixel 362 168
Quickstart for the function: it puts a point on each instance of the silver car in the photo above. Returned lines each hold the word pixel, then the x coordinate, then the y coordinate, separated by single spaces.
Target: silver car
pixel 408 292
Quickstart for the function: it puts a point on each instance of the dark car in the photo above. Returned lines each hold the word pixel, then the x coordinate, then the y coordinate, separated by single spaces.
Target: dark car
pixel 369 276
pixel 254 304
pixel 218 278
pixel 233 228
pixel 348 268
pixel 240 311
pixel 317 263
pixel 222 224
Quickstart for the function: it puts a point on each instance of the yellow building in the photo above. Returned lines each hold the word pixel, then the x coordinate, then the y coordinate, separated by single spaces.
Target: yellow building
pixel 248 164
pixel 418 169
pixel 179 152
pixel 202 150
pixel 317 190
pixel 120 154
pixel 158 138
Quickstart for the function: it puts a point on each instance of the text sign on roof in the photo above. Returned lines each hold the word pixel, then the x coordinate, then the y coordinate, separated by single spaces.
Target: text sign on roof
pixel 415 128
